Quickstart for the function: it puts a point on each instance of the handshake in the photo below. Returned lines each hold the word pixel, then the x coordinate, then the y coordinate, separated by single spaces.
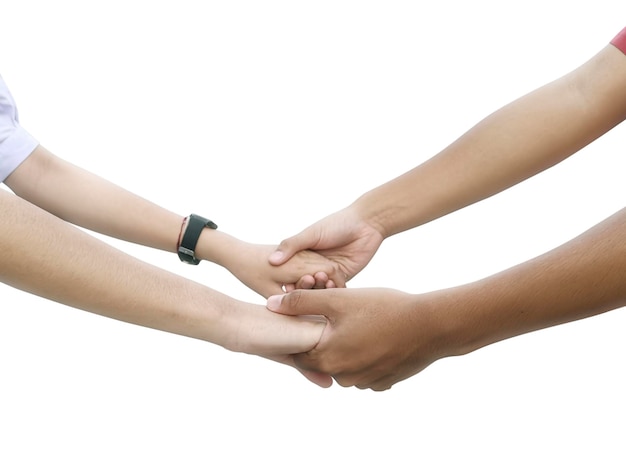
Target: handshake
pixel 376 337
pixel 362 337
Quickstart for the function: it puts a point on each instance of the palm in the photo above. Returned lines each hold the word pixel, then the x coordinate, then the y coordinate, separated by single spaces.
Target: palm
pixel 341 237
pixel 355 252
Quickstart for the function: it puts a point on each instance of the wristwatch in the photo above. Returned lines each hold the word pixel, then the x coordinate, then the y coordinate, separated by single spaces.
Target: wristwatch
pixel 187 247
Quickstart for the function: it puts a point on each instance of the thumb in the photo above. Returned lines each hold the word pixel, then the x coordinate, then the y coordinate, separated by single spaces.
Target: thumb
pixel 290 246
pixel 289 304
pixel 302 302
pixel 274 303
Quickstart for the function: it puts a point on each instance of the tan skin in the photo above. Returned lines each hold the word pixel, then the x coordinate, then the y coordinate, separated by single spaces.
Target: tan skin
pixel 43 252
pixel 87 200
pixel 377 337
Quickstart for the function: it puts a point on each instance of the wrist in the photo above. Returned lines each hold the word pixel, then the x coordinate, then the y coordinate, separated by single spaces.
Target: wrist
pixel 191 230
pixel 211 317
pixel 368 211
pixel 217 247
pixel 463 325
pixel 387 215
pixel 484 312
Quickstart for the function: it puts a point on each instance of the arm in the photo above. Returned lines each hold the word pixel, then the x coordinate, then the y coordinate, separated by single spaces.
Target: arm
pixel 514 143
pixel 378 337
pixel 43 255
pixel 89 201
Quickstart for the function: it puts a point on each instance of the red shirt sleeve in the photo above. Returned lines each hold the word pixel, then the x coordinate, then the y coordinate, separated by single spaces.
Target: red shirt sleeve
pixel 619 41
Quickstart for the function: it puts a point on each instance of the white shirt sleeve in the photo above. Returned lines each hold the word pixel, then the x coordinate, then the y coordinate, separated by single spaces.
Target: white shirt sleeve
pixel 15 143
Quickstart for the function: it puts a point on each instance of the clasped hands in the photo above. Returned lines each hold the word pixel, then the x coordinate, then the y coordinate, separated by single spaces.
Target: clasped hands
pixel 372 338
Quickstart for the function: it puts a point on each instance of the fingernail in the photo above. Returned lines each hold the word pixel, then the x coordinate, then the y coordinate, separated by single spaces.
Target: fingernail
pixel 273 301
pixel 276 256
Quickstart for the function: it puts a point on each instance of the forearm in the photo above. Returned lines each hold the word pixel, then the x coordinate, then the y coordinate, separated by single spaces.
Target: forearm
pixel 89 201
pixel 86 200
pixel 582 278
pixel 43 255
pixel 516 142
pixel 46 256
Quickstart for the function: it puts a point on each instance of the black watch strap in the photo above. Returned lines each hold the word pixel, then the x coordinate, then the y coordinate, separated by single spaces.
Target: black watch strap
pixel 187 247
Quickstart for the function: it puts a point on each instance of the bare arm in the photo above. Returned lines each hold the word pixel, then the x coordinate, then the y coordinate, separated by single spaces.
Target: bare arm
pixel 378 337
pixel 514 143
pixel 46 256
pixel 87 200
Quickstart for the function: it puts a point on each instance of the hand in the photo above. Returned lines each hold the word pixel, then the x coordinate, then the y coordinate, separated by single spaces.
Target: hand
pixel 342 237
pixel 307 269
pixel 377 337
pixel 258 331
pixel 374 337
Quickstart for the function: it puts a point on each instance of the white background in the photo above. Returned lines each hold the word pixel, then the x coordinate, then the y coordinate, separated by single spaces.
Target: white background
pixel 266 116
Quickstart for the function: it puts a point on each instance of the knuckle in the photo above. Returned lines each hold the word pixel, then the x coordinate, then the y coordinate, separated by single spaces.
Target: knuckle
pixel 293 299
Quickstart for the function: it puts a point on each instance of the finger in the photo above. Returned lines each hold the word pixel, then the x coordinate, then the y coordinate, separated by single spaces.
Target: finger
pixel 274 303
pixel 300 302
pixel 324 281
pixel 352 380
pixel 379 386
pixel 379 383
pixel 320 280
pixel 318 378
pixel 338 279
pixel 306 282
pixel 290 246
